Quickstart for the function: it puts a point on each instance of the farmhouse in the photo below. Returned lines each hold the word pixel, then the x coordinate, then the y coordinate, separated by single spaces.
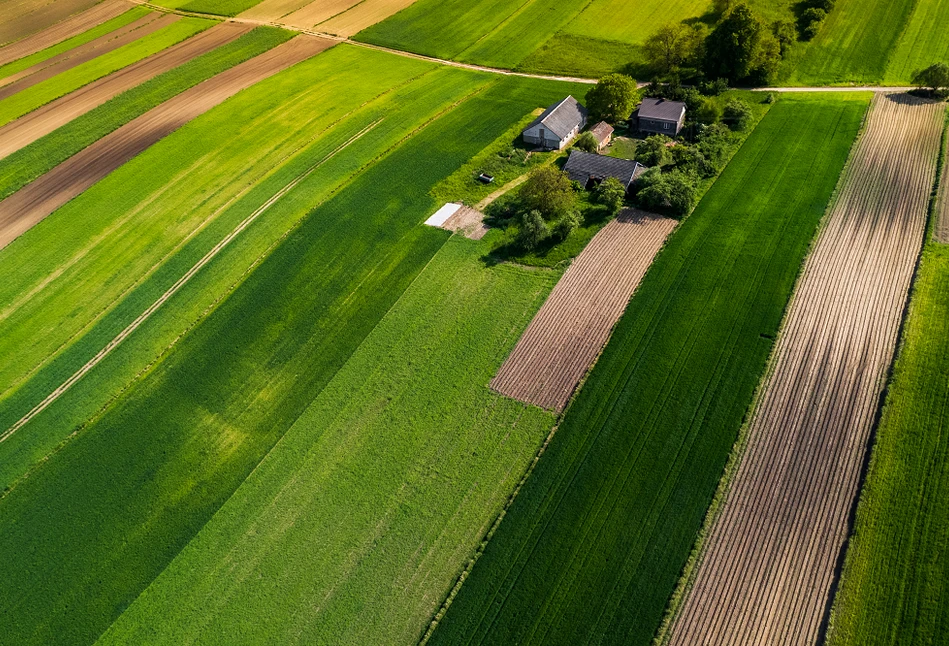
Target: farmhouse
pixel 590 169
pixel 603 133
pixel 557 126
pixel 659 116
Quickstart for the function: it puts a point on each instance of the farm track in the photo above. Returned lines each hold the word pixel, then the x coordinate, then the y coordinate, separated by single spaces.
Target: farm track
pixel 769 564
pixel 571 328
pixel 35 201
pixel 67 60
pixel 25 17
pixel 941 232
pixel 42 121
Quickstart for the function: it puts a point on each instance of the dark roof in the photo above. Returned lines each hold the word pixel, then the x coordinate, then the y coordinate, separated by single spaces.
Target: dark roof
pixel 582 167
pixel 602 131
pixel 661 109
pixel 561 118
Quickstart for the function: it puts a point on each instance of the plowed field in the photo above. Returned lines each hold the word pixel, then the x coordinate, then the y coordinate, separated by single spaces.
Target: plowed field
pixel 767 572
pixel 24 17
pixel 40 122
pixel 30 205
pixel 575 322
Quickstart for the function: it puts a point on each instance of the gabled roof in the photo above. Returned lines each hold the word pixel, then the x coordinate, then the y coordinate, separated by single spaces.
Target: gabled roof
pixel 561 118
pixel 661 109
pixel 601 131
pixel 582 166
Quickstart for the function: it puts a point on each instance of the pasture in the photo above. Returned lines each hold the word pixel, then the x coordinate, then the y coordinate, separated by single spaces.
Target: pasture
pixel 590 550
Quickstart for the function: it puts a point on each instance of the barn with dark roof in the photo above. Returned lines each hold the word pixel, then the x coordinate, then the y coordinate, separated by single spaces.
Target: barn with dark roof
pixel 590 169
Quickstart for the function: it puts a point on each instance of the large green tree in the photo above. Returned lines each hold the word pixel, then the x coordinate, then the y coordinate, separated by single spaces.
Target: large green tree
pixel 673 47
pixel 549 192
pixel 935 78
pixel 741 48
pixel 612 98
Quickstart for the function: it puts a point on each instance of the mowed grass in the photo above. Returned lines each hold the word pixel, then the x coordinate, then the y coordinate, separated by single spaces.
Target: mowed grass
pixel 355 526
pixel 28 163
pixel 135 485
pixel 895 583
pixel 53 88
pixel 592 547
pixel 21 64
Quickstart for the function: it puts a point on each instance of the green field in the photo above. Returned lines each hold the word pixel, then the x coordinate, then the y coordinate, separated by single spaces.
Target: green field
pixel 398 467
pixel 593 546
pixel 125 494
pixel 895 583
pixel 61 84
pixel 28 163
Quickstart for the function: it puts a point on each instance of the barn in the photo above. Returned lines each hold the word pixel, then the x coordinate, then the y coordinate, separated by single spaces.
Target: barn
pixel 557 126
pixel 659 116
pixel 590 169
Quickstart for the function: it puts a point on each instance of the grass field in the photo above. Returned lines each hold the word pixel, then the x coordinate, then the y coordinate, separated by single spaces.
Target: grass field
pixel 592 547
pixel 30 162
pixel 108 26
pixel 398 467
pixel 160 461
pixel 53 88
pixel 895 583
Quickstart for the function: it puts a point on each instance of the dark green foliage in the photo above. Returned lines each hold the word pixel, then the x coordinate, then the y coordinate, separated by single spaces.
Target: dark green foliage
pixel 692 161
pixel 587 142
pixel 532 230
pixel 654 151
pixel 714 142
pixel 549 192
pixel 707 113
pixel 613 98
pixel 611 194
pixel 594 544
pixel 672 193
pixel 741 48
pixel 786 33
pixel 811 21
pixel 675 46
pixel 714 88
pixel 824 5
pixel 737 115
pixel 567 224
pixel 935 78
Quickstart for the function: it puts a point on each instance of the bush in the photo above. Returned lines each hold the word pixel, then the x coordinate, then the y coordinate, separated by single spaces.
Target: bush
pixel 674 193
pixel 532 230
pixel 566 225
pixel 689 159
pixel 811 21
pixel 611 194
pixel 587 142
pixel 824 5
pixel 738 115
pixel 654 152
pixel 786 34
pixel 549 192
pixel 714 143
pixel 714 88
pixel 708 113
pixel 770 98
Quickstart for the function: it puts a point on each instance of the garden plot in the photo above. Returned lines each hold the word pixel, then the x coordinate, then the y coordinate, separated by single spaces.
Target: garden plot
pixel 26 207
pixel 571 328
pixel 766 573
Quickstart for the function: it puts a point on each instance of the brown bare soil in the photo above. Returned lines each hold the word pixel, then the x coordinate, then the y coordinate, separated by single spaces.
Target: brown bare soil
pixel 22 18
pixel 63 30
pixel 316 12
pixel 766 573
pixel 571 328
pixel 362 15
pixel 68 60
pixel 44 120
pixel 467 221
pixel 941 233
pixel 273 10
pixel 35 201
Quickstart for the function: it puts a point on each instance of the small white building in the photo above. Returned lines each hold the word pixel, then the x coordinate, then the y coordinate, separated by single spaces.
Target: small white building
pixel 557 126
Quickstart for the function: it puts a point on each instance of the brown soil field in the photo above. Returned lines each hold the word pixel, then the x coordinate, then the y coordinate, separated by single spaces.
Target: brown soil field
pixel 63 30
pixel 360 16
pixel 766 572
pixel 68 60
pixel 22 18
pixel 568 332
pixel 273 10
pixel 467 221
pixel 44 120
pixel 35 201
pixel 941 233
pixel 316 12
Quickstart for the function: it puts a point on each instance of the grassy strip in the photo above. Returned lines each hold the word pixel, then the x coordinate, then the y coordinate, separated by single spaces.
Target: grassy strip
pixel 895 582
pixel 21 64
pixel 123 497
pixel 28 163
pixel 42 93
pixel 397 466
pixel 593 546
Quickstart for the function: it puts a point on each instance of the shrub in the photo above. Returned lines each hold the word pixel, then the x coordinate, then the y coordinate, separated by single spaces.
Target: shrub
pixel 811 21
pixel 708 113
pixel 824 5
pixel 532 230
pixel 611 194
pixel 770 98
pixel 786 34
pixel 674 193
pixel 654 152
pixel 738 115
pixel 714 143
pixel 714 88
pixel 565 225
pixel 587 142
pixel 690 159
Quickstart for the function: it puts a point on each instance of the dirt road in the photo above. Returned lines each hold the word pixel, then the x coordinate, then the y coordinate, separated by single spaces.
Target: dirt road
pixel 44 120
pixel 766 573
pixel 571 328
pixel 35 201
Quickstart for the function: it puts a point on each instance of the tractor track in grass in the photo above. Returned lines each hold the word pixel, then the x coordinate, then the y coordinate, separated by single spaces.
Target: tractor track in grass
pixel 35 201
pixel 766 574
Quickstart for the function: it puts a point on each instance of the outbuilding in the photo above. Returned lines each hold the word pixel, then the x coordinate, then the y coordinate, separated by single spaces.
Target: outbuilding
pixel 590 169
pixel 603 133
pixel 557 126
pixel 659 116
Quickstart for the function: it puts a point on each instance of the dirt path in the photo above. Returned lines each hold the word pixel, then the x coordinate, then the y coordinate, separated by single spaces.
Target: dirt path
pixel 67 60
pixel 568 332
pixel 63 30
pixel 767 570
pixel 22 18
pixel 42 121
pixel 35 201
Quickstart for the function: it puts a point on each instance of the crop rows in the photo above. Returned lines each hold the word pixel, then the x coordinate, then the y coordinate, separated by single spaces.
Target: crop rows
pixel 30 16
pixel 766 573
pixel 941 231
pixel 573 325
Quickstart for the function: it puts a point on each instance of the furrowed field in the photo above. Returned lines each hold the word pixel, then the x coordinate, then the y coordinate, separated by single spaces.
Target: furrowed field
pixel 593 545
pixel 125 494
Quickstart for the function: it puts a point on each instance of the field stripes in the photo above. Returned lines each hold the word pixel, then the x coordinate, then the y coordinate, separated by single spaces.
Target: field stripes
pixel 23 18
pixel 31 204
pixel 571 328
pixel 42 121
pixel 766 571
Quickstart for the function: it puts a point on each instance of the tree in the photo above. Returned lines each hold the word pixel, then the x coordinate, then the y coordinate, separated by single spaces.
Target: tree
pixel 714 142
pixel 613 98
pixel 611 194
pixel 786 34
pixel 824 5
pixel 737 115
pixel 549 192
pixel 767 59
pixel 565 225
pixel 672 192
pixel 653 151
pixel 587 142
pixel 935 78
pixel 673 47
pixel 532 230
pixel 739 46
pixel 811 21
pixel 708 113
pixel 690 159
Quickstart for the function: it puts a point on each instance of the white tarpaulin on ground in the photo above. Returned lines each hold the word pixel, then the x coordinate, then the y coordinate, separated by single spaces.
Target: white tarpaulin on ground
pixel 443 214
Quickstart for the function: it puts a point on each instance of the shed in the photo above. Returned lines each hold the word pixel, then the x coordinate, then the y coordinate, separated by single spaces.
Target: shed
pixel 659 116
pixel 590 169
pixel 557 126
pixel 603 133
